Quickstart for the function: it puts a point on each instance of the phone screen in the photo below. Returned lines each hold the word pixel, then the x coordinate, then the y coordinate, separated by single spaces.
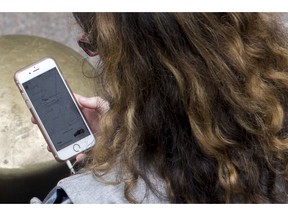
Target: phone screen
pixel 56 109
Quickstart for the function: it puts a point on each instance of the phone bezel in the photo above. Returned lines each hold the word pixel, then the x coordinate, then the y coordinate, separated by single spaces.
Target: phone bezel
pixel 33 71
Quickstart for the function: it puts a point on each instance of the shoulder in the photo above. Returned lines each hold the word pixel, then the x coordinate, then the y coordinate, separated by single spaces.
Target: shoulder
pixel 88 188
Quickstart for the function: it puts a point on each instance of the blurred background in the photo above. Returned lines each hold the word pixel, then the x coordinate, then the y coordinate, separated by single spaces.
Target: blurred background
pixel 60 27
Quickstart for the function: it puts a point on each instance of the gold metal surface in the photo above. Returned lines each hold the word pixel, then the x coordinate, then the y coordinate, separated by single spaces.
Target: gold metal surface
pixel 21 142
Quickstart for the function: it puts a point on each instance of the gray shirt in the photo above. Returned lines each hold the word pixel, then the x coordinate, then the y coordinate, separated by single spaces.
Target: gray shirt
pixel 87 188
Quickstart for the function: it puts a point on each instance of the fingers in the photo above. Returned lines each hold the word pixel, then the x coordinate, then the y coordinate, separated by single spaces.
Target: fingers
pixel 76 96
pixel 89 106
pixel 96 103
pixel 81 157
pixel 48 148
pixel 33 120
pixel 87 102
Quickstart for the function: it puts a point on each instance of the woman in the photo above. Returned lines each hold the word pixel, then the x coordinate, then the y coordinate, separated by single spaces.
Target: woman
pixel 198 109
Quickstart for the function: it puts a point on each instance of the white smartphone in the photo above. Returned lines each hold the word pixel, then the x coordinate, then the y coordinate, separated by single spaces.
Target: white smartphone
pixel 55 109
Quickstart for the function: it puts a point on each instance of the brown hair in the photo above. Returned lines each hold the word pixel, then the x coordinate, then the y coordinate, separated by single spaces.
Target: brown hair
pixel 199 98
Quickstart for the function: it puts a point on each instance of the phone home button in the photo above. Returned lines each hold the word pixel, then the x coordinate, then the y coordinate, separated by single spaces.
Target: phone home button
pixel 76 147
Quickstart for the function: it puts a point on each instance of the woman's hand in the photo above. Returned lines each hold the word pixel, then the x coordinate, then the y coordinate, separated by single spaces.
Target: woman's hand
pixel 92 108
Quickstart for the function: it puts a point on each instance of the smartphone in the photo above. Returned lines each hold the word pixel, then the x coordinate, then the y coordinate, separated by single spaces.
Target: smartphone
pixel 55 109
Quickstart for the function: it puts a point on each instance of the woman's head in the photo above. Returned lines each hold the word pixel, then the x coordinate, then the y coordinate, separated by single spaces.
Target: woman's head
pixel 200 97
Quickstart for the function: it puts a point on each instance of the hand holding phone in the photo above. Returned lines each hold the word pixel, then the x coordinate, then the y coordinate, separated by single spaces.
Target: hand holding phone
pixel 55 109
pixel 92 108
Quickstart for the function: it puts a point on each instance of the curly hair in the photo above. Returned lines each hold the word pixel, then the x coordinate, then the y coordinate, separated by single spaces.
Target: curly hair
pixel 199 98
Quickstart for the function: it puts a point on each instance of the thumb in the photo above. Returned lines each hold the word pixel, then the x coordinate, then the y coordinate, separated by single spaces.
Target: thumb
pixel 87 102
pixel 96 103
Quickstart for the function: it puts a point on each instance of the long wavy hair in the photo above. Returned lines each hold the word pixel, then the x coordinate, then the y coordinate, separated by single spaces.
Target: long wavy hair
pixel 200 99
